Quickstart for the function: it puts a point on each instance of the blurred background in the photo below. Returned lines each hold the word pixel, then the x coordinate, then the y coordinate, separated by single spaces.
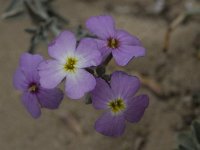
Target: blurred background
pixel 170 74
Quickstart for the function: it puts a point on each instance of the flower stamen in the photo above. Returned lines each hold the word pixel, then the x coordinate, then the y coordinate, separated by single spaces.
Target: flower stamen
pixel 113 43
pixel 117 105
pixel 33 88
pixel 70 64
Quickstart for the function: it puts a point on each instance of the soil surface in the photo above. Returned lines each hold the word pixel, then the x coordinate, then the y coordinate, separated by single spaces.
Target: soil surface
pixel 170 79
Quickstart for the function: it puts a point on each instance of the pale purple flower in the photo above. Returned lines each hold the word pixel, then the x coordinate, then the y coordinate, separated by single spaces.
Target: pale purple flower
pixel 120 43
pixel 70 62
pixel 35 97
pixel 118 100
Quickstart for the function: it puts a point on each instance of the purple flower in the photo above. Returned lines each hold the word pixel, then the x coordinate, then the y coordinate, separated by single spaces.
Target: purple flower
pixel 119 102
pixel 69 62
pixel 120 43
pixel 26 79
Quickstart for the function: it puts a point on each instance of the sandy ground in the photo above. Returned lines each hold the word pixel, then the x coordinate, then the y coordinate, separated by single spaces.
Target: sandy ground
pixel 71 126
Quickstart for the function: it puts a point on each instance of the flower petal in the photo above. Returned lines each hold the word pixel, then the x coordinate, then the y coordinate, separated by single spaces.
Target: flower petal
pixel 50 98
pixel 79 83
pixel 125 53
pixel 110 125
pixel 101 94
pixel 127 39
pixel 103 48
pixel 136 107
pixel 102 26
pixel 29 64
pixel 124 85
pixel 88 53
pixel 51 73
pixel 65 43
pixel 19 80
pixel 30 102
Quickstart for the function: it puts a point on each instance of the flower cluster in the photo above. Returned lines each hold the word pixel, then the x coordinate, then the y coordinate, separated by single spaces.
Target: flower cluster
pixel 77 63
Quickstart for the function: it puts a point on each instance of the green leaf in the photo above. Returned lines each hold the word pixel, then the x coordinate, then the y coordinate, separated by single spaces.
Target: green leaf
pixel 196 130
pixel 15 8
pixel 196 98
pixel 100 70
pixel 88 99
pixel 186 142
pixel 182 148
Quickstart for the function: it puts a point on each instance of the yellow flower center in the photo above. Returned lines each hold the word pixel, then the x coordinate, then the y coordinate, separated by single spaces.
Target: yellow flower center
pixel 113 43
pixel 117 105
pixel 33 88
pixel 70 64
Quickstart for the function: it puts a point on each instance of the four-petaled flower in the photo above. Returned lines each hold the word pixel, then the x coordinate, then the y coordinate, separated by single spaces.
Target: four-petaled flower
pixel 26 79
pixel 120 43
pixel 119 102
pixel 69 63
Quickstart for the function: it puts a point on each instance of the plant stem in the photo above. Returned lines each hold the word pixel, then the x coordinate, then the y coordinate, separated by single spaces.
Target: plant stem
pixel 107 60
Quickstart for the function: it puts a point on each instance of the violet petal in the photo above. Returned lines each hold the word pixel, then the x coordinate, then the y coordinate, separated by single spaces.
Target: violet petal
pixel 78 83
pixel 136 107
pixel 51 73
pixel 65 43
pixel 19 80
pixel 102 26
pixel 110 125
pixel 30 102
pixel 127 39
pixel 101 94
pixel 50 98
pixel 125 53
pixel 123 85
pixel 88 53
